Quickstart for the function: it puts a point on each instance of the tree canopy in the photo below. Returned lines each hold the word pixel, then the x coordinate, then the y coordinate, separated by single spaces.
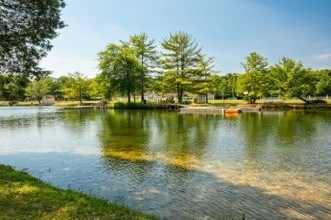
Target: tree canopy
pixel 120 67
pixel 38 89
pixel 144 49
pixel 76 87
pixel 253 82
pixel 179 61
pixel 26 28
pixel 292 79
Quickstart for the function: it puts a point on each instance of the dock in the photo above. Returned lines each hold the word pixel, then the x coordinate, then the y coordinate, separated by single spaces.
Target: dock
pixel 209 110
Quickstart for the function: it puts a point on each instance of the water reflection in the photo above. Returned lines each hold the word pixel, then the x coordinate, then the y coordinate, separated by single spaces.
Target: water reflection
pixel 264 164
pixel 274 159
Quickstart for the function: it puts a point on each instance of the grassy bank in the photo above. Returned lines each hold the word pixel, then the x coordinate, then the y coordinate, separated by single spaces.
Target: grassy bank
pixel 121 104
pixel 25 197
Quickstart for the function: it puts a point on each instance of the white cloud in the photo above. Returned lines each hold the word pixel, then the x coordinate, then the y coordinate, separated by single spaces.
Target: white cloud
pixel 322 57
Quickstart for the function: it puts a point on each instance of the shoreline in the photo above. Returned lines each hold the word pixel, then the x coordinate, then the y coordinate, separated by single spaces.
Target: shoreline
pixel 153 106
pixel 23 196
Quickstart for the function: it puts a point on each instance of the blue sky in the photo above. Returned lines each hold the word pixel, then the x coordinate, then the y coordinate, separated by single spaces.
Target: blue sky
pixel 227 30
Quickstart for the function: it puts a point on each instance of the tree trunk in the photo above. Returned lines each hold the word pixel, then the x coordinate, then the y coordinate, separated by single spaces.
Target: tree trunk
pixel 129 96
pixel 304 100
pixel 178 92
pixel 206 97
pixel 181 96
pixel 142 96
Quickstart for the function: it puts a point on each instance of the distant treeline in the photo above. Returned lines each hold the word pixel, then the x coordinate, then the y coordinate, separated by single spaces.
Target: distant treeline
pixel 132 68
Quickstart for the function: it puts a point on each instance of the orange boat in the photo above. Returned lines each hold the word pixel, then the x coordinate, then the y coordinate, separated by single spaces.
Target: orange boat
pixel 232 111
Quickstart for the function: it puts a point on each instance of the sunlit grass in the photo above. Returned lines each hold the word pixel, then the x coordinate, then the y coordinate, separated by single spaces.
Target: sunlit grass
pixel 25 197
pixel 227 101
pixel 113 102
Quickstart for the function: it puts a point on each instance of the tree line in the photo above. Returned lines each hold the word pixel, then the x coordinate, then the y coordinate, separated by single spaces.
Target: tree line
pixel 133 67
pixel 130 68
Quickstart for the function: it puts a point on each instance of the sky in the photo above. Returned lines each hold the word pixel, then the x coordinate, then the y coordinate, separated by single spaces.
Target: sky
pixel 227 30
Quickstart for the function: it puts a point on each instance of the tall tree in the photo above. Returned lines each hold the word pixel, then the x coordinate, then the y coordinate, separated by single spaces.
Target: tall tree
pixel 77 86
pixel 231 83
pixel 26 28
pixel 254 80
pixel 203 84
pixel 119 66
pixel 145 52
pixel 38 89
pixel 292 79
pixel 323 86
pixel 12 87
pixel 179 60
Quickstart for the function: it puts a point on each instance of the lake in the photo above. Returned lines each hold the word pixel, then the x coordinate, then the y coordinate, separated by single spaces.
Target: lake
pixel 267 165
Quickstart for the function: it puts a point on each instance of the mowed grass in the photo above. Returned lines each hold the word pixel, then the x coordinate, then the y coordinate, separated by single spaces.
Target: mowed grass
pixel 111 104
pixel 25 197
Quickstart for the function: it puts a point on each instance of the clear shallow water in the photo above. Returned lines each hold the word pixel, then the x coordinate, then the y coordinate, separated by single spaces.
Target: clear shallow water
pixel 268 165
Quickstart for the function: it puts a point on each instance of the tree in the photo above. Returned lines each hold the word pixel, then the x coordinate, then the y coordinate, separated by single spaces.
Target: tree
pixel 144 50
pixel 26 28
pixel 38 89
pixel 95 91
pixel 292 79
pixel 204 80
pixel 254 80
pixel 231 83
pixel 179 61
pixel 12 87
pixel 76 87
pixel 119 66
pixel 323 86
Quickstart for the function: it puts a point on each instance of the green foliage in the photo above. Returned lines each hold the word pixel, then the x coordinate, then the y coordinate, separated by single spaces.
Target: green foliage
pixel 226 86
pixel 26 28
pixel 292 79
pixel 179 62
pixel 145 52
pixel 94 90
pixel 120 67
pixel 12 87
pixel 38 89
pixel 76 86
pixel 204 81
pixel 254 80
pixel 323 85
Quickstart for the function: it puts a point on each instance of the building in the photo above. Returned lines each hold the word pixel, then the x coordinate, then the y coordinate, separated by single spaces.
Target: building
pixel 48 100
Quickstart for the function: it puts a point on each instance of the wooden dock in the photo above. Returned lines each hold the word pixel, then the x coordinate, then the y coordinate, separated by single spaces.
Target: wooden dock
pixel 209 110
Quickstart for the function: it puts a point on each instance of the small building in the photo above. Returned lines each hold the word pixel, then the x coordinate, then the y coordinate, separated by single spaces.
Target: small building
pixel 48 100
pixel 151 96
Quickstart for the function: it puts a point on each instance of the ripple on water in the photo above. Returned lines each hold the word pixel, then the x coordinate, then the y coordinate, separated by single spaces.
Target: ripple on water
pixel 180 166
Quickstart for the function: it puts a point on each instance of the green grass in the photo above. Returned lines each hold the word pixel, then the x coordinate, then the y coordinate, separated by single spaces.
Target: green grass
pixel 25 197
pixel 226 102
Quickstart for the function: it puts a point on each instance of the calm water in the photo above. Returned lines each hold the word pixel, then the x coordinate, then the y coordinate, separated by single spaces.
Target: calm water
pixel 268 165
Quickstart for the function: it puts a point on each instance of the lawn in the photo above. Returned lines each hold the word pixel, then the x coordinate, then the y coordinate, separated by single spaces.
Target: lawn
pixel 25 197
